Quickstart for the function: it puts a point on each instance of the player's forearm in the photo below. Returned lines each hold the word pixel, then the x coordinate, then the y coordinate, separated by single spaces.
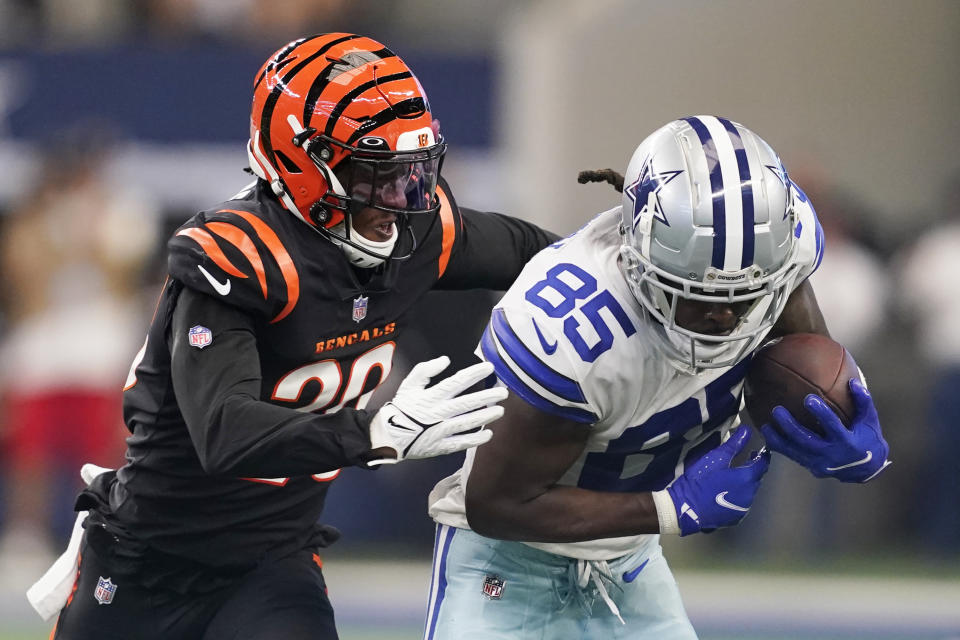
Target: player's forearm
pixel 801 315
pixel 252 438
pixel 563 514
pixel 235 433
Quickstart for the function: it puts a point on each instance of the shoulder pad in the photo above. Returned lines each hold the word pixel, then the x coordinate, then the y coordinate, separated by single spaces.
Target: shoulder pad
pixel 235 255
pixel 531 360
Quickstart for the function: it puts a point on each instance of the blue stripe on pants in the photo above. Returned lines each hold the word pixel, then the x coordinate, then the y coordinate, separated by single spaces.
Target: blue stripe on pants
pixel 441 547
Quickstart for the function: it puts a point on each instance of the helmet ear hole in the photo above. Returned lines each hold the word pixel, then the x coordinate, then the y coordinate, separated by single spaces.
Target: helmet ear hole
pixel 288 164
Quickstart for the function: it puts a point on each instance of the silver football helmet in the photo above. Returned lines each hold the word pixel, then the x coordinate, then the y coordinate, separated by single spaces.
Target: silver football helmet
pixel 708 216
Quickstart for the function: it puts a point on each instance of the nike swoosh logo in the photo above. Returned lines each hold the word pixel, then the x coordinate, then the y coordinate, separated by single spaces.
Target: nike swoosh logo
pixel 865 460
pixel 223 288
pixel 547 347
pixel 393 423
pixel 630 576
pixel 886 464
pixel 722 501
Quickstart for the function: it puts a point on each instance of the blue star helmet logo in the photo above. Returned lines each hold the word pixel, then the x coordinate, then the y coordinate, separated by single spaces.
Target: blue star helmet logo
pixel 645 190
pixel 784 179
pixel 780 173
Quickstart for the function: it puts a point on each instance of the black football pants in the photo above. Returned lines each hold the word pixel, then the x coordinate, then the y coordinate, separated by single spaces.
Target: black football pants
pixel 285 599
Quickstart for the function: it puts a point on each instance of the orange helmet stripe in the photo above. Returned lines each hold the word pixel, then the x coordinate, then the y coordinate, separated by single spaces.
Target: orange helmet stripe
pixel 449 231
pixel 212 249
pixel 238 238
pixel 351 95
pixel 328 76
pixel 289 271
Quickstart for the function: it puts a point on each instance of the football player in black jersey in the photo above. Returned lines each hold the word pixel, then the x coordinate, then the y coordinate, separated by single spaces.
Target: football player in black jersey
pixel 280 316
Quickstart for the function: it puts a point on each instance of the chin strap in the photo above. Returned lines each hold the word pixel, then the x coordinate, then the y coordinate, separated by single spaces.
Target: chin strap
pixel 358 257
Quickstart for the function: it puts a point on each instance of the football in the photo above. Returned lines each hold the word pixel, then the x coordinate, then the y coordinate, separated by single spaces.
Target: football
pixel 785 370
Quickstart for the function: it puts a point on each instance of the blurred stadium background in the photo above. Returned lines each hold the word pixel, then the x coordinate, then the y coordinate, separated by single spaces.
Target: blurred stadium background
pixel 120 118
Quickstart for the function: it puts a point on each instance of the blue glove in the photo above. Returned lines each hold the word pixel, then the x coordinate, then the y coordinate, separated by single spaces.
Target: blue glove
pixel 857 454
pixel 710 493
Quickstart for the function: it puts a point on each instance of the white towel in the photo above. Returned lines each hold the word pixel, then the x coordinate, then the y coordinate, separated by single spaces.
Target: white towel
pixel 49 594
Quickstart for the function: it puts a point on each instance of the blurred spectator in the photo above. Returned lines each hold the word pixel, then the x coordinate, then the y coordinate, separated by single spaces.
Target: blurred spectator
pixel 266 20
pixel 65 22
pixel 852 284
pixel 71 258
pixel 929 298
pixel 91 22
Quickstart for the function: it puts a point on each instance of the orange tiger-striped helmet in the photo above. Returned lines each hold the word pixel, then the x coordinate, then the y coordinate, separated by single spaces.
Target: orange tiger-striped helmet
pixel 340 124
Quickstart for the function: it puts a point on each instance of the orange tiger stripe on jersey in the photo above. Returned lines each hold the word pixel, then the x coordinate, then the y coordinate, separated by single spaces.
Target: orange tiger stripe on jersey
pixel 212 249
pixel 284 261
pixel 449 230
pixel 238 238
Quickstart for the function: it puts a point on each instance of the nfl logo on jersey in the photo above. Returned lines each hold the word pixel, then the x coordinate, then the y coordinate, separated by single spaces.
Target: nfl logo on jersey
pixel 493 587
pixel 105 590
pixel 360 308
pixel 200 336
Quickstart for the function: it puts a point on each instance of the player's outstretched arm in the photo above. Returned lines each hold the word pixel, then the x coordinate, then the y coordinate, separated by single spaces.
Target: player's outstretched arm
pixel 492 250
pixel 237 434
pixel 856 454
pixel 423 422
pixel 512 491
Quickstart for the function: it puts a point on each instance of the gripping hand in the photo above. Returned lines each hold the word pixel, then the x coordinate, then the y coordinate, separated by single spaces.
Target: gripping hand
pixel 856 454
pixel 423 422
pixel 710 493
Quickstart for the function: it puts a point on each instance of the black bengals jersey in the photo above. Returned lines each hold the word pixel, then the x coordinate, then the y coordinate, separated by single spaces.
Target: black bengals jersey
pixel 248 395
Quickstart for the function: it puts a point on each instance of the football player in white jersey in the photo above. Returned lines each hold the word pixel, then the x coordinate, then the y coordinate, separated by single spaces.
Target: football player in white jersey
pixel 624 348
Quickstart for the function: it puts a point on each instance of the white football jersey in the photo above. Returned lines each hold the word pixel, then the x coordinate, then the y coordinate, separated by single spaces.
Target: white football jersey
pixel 570 338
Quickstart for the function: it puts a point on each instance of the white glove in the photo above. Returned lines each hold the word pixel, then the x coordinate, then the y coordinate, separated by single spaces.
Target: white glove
pixel 423 423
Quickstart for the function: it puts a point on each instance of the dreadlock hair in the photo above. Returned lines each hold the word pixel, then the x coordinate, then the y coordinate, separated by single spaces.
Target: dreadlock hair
pixel 602 175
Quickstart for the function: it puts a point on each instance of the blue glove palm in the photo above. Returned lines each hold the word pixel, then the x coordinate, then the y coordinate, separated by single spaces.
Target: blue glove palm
pixel 850 455
pixel 712 494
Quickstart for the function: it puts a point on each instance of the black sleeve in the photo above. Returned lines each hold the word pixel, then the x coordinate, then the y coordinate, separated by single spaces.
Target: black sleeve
pixel 234 432
pixel 492 250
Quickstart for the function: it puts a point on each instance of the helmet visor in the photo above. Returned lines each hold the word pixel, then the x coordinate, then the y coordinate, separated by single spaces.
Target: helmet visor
pixel 403 182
